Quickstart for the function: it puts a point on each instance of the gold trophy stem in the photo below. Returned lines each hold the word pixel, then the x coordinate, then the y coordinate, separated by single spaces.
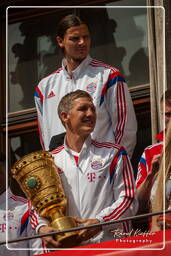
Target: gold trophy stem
pixel 55 214
pixel 61 222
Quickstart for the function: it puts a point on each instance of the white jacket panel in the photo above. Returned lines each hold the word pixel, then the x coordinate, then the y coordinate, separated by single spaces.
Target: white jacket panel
pixel 100 186
pixel 116 121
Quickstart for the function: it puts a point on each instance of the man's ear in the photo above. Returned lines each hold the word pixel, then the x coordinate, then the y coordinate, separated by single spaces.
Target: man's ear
pixel 59 41
pixel 64 116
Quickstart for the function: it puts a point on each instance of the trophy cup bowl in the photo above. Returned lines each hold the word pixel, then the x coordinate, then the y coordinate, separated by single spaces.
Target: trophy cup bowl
pixel 38 177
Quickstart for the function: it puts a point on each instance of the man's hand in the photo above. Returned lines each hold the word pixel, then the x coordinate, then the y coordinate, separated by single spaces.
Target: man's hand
pixel 50 242
pixel 154 168
pixel 86 234
pixel 164 219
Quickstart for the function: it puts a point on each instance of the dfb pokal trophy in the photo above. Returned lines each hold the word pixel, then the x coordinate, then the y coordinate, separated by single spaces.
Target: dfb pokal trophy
pixel 38 177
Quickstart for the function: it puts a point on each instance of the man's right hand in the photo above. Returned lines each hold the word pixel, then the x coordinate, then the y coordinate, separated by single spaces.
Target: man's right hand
pixel 50 242
pixel 155 164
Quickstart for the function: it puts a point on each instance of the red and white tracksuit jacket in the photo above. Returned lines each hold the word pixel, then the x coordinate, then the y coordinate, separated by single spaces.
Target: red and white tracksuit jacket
pixel 144 166
pixel 100 184
pixel 116 121
pixel 16 223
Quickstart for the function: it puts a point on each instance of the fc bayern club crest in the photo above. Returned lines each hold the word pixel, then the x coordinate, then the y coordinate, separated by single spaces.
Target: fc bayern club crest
pixel 91 87
pixel 97 164
pixel 8 216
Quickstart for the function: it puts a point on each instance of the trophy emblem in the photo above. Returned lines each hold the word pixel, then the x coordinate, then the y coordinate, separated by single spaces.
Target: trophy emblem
pixel 39 179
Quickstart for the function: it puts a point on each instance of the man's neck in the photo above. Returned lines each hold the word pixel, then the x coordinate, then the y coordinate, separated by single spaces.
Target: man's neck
pixel 75 142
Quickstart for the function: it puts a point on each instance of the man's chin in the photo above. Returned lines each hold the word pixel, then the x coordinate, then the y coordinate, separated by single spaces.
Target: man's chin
pixel 80 59
pixel 89 130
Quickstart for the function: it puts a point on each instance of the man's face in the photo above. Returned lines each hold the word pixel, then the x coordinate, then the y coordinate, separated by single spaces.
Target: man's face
pixel 76 43
pixel 166 114
pixel 81 119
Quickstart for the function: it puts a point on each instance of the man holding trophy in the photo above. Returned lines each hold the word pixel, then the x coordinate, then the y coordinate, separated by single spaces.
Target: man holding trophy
pixel 97 177
pixel 82 182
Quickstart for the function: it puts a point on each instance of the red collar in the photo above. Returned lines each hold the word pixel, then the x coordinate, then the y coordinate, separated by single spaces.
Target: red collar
pixel 160 136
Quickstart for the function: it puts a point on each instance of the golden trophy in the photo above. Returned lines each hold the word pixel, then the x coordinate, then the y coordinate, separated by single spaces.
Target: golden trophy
pixel 38 177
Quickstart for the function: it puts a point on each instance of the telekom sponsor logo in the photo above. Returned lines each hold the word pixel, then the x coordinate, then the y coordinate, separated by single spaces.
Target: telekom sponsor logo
pixel 2 227
pixel 91 176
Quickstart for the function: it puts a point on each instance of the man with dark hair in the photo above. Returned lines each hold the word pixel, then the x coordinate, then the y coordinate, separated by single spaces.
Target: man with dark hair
pixel 116 121
pixel 19 218
pixel 97 177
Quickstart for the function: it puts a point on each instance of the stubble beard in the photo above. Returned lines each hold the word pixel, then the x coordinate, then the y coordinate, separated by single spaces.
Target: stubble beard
pixel 75 60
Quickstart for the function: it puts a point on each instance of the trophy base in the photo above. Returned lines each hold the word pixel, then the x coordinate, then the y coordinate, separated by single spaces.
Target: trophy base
pixel 68 239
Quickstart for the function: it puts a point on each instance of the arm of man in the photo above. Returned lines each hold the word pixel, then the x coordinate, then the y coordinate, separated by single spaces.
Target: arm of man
pixel 41 226
pixel 146 160
pixel 50 241
pixel 126 203
pixel 121 110
pixel 38 98
pixel 144 189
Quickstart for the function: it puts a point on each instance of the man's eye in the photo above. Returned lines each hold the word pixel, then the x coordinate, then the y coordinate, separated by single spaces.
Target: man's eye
pixel 82 109
pixel 74 39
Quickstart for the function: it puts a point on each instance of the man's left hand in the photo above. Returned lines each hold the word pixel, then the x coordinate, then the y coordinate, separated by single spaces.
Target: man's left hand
pixel 86 234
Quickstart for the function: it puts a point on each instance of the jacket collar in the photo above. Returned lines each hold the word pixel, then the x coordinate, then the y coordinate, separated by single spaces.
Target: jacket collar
pixel 74 74
pixel 85 147
pixel 160 136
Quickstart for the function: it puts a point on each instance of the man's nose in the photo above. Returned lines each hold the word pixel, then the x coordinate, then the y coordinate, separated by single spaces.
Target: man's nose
pixel 90 112
pixel 81 41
